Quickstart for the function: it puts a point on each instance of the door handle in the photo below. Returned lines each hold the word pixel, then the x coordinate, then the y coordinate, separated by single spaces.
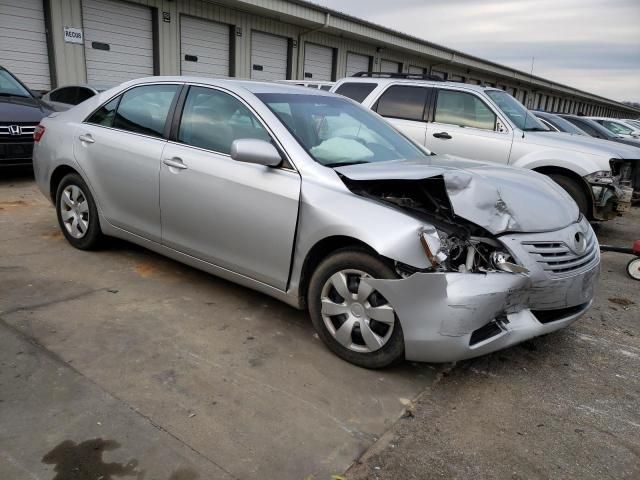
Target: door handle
pixel 87 138
pixel 175 162
pixel 443 135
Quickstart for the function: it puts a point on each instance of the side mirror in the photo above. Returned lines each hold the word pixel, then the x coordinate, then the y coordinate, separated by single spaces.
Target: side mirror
pixel 252 150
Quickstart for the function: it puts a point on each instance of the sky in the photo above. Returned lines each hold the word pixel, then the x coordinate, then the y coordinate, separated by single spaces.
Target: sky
pixel 592 45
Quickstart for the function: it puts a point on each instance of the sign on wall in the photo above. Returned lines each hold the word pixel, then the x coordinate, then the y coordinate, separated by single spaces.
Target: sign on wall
pixel 73 35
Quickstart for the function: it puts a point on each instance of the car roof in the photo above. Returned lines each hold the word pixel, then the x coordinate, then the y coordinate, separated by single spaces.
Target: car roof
pixel 252 86
pixel 413 81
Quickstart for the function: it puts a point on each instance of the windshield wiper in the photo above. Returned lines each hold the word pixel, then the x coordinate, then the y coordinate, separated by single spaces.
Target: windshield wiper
pixel 344 164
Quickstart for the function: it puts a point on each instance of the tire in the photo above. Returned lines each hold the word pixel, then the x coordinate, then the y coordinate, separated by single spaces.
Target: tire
pixel 575 190
pixel 77 213
pixel 350 316
pixel 633 268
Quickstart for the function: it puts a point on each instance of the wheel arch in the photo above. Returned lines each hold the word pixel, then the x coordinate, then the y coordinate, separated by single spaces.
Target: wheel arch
pixel 57 175
pixel 321 250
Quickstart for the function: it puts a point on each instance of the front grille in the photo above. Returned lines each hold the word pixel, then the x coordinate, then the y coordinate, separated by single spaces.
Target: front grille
pixel 548 316
pixel 557 259
pixel 16 131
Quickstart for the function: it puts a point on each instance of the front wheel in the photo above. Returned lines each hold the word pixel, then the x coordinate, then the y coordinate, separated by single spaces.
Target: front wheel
pixel 575 190
pixel 352 318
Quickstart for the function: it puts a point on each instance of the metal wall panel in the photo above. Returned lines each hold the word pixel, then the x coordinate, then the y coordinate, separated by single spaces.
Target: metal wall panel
pixel 23 42
pixel 268 56
pixel 204 47
pixel 128 32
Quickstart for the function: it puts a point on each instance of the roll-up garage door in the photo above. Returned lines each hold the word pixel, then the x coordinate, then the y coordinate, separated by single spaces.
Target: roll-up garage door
pixel 357 63
pixel 388 66
pixel 23 43
pixel 318 62
pixel 204 48
pixel 416 70
pixel 268 56
pixel 118 41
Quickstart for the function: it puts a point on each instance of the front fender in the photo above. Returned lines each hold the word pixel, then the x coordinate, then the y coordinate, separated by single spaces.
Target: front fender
pixel 578 162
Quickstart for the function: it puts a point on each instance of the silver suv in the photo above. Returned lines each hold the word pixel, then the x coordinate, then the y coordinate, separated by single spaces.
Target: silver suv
pixel 488 124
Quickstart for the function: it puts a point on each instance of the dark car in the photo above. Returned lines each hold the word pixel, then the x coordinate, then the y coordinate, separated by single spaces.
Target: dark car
pixel 559 124
pixel 596 130
pixel 20 113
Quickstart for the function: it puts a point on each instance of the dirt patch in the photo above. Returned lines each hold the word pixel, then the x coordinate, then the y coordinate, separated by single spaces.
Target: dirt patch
pixel 145 270
pixel 12 205
pixel 625 302
pixel 53 235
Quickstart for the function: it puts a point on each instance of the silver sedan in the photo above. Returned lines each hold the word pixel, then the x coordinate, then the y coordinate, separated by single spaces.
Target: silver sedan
pixel 314 200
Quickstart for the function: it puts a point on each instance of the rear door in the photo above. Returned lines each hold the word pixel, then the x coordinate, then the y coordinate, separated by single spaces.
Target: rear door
pixel 236 215
pixel 119 148
pixel 465 126
pixel 404 106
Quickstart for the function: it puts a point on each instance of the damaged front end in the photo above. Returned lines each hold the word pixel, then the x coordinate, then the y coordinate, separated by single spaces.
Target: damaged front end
pixel 613 190
pixel 501 270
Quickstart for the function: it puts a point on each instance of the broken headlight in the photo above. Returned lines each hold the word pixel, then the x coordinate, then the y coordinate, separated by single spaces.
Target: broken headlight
pixel 474 254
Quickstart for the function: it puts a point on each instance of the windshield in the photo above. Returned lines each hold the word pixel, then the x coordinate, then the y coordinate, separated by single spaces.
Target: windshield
pixel 517 113
pixel 9 86
pixel 336 132
pixel 618 128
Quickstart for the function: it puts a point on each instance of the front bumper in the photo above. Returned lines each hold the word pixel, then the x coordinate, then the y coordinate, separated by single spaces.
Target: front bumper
pixel 448 317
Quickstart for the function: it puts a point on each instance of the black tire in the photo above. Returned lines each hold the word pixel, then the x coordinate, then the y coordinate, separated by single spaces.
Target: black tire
pixel 354 259
pixel 575 190
pixel 92 236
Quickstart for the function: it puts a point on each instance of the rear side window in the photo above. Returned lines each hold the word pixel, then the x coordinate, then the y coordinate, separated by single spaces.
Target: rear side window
pixel 213 120
pixel 403 102
pixel 356 91
pixel 105 114
pixel 586 127
pixel 463 109
pixel 144 109
pixel 64 95
pixel 83 94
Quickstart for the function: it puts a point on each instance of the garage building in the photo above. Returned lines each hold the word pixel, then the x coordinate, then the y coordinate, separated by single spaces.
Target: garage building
pixel 106 42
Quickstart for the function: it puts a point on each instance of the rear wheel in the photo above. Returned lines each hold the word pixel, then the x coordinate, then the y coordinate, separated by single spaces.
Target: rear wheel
pixel 575 190
pixel 77 213
pixel 352 318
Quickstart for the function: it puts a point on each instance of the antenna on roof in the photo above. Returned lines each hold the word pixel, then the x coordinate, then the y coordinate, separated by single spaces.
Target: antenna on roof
pixel 526 117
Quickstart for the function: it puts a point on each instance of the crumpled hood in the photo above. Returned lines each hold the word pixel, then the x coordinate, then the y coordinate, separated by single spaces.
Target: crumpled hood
pixel 499 199
pixel 583 144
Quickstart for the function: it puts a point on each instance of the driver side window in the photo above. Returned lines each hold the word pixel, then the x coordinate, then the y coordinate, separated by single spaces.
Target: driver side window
pixel 463 109
pixel 212 120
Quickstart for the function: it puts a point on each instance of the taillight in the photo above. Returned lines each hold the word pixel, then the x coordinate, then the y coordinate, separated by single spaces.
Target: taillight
pixel 38 133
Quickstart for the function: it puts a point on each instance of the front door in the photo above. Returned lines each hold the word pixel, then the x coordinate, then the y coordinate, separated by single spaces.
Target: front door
pixel 119 149
pixel 465 126
pixel 236 215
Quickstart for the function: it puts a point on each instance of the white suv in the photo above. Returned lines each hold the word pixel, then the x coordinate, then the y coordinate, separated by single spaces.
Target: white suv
pixel 488 124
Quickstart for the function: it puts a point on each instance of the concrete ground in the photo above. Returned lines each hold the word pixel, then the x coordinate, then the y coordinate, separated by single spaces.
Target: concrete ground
pixel 124 364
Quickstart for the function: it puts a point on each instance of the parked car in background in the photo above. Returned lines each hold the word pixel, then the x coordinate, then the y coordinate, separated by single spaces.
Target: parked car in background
pixel 20 112
pixel 558 124
pixel 619 127
pixel 63 98
pixel 594 129
pixel 308 197
pixel 318 84
pixel 488 124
